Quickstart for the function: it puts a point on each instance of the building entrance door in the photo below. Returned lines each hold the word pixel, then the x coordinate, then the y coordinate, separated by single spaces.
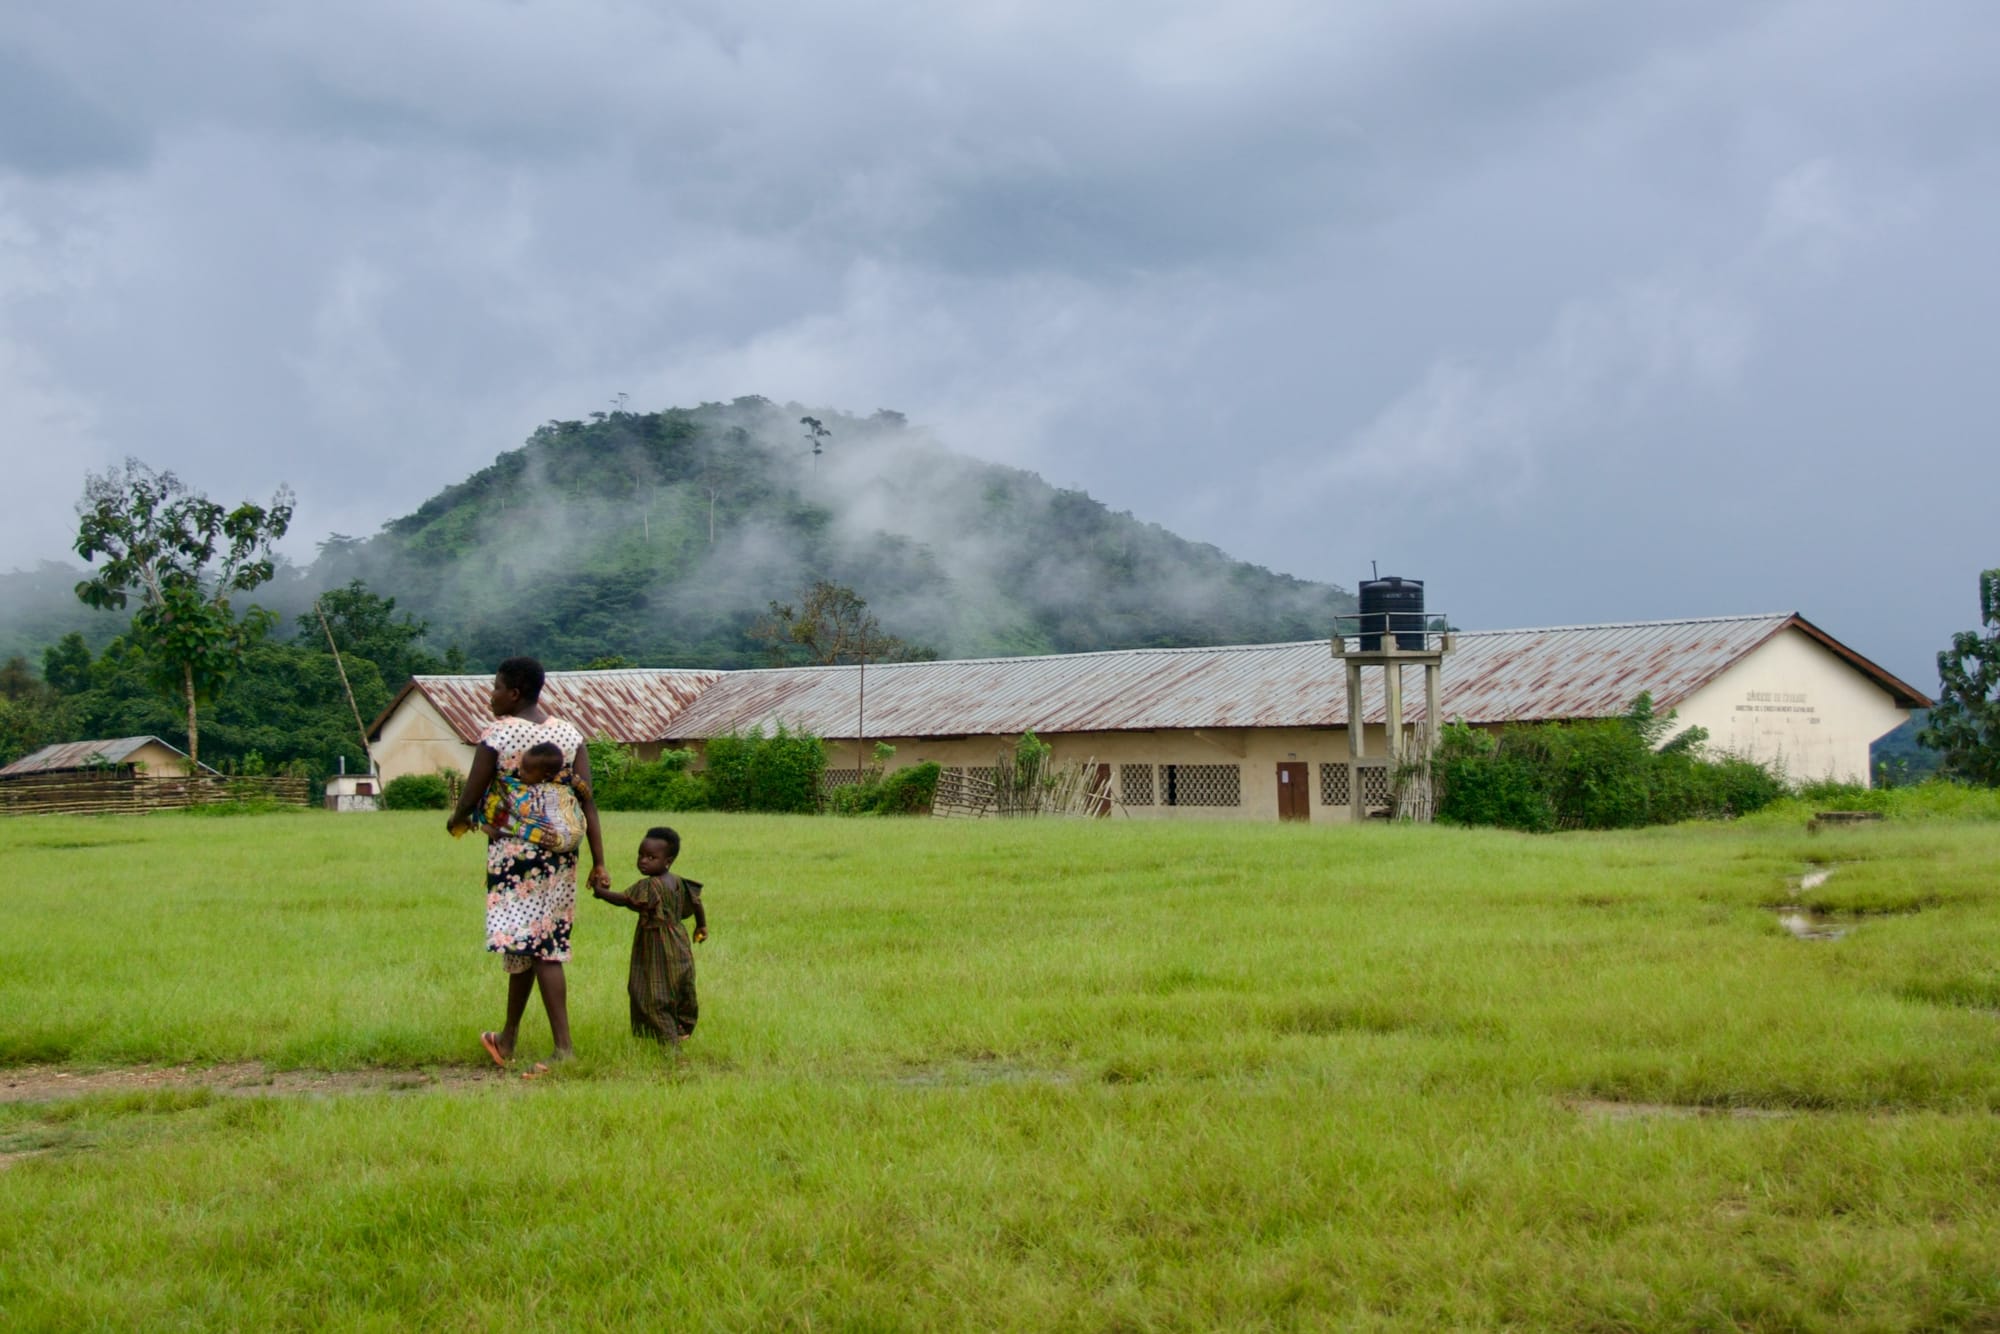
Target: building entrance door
pixel 1292 791
pixel 1100 792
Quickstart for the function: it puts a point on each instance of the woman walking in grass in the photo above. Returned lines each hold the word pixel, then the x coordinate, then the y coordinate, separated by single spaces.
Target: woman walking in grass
pixel 530 886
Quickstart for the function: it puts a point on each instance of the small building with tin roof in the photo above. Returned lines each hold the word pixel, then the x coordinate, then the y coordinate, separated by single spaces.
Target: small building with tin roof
pixel 138 756
pixel 1215 733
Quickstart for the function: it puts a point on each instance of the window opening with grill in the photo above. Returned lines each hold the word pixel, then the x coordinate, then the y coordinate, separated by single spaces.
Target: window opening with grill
pixel 1202 784
pixel 1333 785
pixel 1135 784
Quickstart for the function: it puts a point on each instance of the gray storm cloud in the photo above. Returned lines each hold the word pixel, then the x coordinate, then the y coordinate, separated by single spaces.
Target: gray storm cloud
pixel 1470 288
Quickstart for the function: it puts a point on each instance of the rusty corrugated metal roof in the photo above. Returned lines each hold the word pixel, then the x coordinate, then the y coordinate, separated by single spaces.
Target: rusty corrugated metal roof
pixel 629 704
pixel 1581 671
pixel 73 755
pixel 1493 676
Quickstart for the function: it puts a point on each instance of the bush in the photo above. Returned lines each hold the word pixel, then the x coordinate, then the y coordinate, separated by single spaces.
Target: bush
pixel 905 792
pixel 1480 786
pixel 1614 773
pixel 754 772
pixel 621 781
pixel 416 792
pixel 1743 787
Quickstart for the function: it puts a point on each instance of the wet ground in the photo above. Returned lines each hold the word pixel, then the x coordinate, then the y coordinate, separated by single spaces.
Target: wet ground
pixel 51 1083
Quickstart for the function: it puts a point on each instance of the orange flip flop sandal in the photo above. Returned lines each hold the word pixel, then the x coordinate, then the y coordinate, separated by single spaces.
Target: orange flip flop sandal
pixel 491 1041
pixel 536 1071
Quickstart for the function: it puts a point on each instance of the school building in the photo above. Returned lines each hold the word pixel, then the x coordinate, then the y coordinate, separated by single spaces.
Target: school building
pixel 1237 732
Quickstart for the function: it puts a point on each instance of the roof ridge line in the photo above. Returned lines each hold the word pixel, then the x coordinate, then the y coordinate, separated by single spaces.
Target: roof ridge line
pixel 1635 625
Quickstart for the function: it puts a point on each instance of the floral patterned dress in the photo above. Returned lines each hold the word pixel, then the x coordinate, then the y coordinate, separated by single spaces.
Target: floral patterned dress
pixel 530 889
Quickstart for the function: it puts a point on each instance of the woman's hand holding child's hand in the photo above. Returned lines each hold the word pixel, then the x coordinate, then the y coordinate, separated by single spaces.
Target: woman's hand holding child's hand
pixel 599 879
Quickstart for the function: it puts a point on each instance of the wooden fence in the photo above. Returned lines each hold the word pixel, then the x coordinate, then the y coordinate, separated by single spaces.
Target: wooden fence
pixel 122 794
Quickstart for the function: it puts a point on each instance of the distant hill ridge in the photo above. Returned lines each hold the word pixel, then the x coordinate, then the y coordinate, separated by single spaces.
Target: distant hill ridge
pixel 662 537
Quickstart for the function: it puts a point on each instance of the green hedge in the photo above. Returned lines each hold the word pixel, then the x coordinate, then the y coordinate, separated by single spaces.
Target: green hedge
pixel 905 792
pixel 621 781
pixel 744 772
pixel 753 772
pixel 416 792
pixel 1611 773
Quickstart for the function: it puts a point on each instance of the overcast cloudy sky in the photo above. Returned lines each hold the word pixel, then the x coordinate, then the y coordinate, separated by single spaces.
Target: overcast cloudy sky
pixel 1578 310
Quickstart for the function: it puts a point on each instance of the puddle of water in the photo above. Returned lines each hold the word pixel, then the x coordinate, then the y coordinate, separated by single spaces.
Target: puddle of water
pixel 1805 924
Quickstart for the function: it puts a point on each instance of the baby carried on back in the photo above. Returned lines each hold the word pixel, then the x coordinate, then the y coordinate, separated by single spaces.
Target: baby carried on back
pixel 540 802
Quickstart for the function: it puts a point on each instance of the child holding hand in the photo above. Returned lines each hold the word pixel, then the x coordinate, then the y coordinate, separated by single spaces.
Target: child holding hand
pixel 661 983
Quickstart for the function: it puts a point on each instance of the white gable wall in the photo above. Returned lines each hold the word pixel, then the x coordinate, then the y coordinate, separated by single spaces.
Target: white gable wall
pixel 416 739
pixel 1794 701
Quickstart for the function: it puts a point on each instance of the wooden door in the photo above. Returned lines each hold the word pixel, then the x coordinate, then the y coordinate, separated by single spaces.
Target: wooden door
pixel 1100 805
pixel 1292 804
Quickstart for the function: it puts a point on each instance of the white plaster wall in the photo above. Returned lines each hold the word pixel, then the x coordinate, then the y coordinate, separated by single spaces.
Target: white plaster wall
pixel 417 740
pixel 1796 702
pixel 1257 753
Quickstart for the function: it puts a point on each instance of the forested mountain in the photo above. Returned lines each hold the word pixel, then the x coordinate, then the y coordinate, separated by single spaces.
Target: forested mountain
pixel 662 538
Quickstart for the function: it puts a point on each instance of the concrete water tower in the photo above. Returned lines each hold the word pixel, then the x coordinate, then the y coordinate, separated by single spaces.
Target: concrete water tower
pixel 1391 632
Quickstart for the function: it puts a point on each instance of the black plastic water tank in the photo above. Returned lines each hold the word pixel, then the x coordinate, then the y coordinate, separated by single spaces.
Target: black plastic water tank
pixel 1393 606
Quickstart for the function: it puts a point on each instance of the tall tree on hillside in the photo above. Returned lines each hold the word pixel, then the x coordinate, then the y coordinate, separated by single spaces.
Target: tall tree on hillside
pixel 1964 726
pixel 182 555
pixel 816 435
pixel 830 624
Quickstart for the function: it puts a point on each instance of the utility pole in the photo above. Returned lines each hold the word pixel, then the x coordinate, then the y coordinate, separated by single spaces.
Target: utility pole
pixel 359 726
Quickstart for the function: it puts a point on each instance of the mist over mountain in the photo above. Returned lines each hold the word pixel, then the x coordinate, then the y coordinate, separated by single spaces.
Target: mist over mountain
pixel 663 537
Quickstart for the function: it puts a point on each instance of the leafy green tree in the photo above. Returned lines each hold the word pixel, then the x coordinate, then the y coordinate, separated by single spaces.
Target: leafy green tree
pixel 831 624
pixel 17 679
pixel 1964 725
pixel 66 664
pixel 182 555
pixel 365 624
pixel 32 714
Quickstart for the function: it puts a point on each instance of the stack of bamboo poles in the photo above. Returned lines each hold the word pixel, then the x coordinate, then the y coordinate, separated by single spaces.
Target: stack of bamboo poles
pixel 962 795
pixel 126 794
pixel 1034 788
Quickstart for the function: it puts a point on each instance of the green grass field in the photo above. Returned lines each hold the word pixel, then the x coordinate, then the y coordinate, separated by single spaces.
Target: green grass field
pixel 1023 1075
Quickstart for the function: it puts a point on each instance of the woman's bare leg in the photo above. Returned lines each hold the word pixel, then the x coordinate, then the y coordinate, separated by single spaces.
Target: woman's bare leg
pixel 555 999
pixel 519 987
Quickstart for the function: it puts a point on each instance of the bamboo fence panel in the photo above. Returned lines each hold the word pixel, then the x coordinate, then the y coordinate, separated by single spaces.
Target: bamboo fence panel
pixel 125 794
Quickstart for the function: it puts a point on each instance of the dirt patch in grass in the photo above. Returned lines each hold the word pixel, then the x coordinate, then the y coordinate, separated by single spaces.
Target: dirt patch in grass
pixel 56 1083
pixel 1609 1109
pixel 976 1070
